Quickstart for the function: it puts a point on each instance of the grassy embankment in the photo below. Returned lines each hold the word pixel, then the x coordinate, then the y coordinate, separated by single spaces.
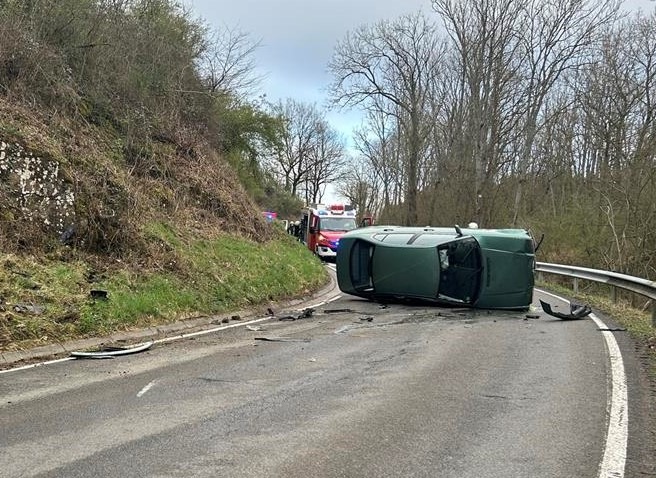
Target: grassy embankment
pixel 47 299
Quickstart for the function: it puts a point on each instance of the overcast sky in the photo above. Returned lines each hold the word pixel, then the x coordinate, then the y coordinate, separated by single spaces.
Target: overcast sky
pixel 298 36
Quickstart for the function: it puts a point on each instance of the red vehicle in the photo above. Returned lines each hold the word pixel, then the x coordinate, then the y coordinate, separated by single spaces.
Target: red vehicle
pixel 323 225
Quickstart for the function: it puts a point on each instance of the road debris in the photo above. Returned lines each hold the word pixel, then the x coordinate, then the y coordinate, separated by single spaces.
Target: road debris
pixel 337 311
pixel 98 294
pixel 29 309
pixel 577 311
pixel 306 313
pixel 282 339
pixel 254 328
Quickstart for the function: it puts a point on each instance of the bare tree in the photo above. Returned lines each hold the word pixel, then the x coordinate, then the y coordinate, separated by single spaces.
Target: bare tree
pixel 310 154
pixel 377 145
pixel 392 65
pixel 327 161
pixel 483 94
pixel 616 100
pixel 359 186
pixel 290 161
pixel 227 63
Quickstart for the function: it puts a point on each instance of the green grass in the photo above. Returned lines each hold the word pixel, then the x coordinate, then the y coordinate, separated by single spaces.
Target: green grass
pixel 224 274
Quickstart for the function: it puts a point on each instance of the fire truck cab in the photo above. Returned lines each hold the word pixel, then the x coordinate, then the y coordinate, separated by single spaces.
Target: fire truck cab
pixel 323 225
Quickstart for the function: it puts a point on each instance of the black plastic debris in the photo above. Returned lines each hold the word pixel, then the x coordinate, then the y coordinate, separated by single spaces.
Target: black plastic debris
pixel 577 311
pixel 303 315
pixel 307 313
pixel 336 311
pixel 98 294
pixel 368 319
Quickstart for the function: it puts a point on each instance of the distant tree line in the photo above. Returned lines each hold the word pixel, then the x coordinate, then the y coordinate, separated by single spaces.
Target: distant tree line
pixel 510 113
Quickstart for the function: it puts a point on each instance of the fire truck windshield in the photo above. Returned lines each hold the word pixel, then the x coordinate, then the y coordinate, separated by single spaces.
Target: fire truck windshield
pixel 337 223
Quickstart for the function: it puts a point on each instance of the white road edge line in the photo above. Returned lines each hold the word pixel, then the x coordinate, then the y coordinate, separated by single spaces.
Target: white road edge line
pixel 34 365
pixel 614 459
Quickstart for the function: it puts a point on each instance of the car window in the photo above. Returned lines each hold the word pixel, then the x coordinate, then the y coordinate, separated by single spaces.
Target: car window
pixel 460 270
pixel 398 238
pixel 427 240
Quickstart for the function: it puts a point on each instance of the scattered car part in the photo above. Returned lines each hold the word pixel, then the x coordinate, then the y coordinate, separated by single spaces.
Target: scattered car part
pixel 110 352
pixel 98 294
pixel 577 311
pixel 303 315
pixel 281 339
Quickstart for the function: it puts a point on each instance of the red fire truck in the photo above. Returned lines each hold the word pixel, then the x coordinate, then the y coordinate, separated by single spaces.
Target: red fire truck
pixel 322 226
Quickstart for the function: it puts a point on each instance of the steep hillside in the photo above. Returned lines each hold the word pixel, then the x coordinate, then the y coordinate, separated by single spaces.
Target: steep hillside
pixel 168 231
pixel 75 184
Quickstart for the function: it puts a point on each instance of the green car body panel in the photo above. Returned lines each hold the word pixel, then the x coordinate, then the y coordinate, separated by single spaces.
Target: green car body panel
pixel 484 268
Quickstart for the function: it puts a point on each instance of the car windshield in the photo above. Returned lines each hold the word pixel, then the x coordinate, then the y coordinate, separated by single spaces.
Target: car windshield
pixel 337 223
pixel 460 270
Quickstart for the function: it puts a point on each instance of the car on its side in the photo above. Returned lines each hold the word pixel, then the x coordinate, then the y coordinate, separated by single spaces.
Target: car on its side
pixel 469 267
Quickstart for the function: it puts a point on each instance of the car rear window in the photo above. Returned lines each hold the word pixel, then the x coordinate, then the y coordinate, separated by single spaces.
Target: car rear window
pixel 360 266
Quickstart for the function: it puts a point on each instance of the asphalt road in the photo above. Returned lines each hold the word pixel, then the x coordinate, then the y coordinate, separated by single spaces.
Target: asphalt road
pixel 396 391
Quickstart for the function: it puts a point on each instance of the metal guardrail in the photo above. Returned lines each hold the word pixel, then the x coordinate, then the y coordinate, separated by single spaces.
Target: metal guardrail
pixel 640 286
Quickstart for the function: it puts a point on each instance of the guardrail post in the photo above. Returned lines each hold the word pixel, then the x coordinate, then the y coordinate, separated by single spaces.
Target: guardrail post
pixel 613 294
pixel 576 285
pixel 653 314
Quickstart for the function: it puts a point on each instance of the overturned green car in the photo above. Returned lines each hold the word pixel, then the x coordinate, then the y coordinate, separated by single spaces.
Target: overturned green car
pixel 483 268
